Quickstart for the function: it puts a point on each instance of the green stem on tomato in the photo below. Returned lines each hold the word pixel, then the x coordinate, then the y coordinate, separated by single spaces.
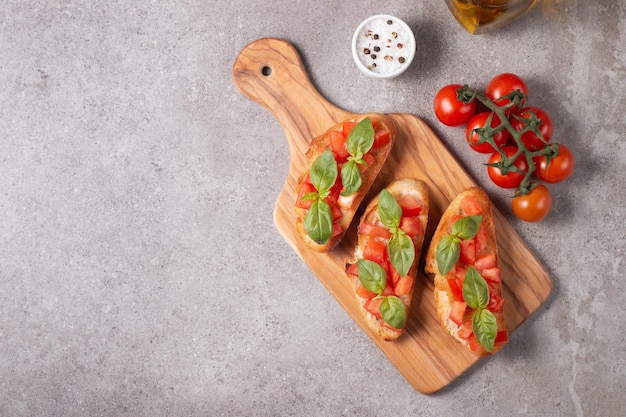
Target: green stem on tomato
pixel 515 99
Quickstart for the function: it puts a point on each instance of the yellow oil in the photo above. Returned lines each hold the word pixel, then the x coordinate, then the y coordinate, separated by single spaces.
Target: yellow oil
pixel 479 16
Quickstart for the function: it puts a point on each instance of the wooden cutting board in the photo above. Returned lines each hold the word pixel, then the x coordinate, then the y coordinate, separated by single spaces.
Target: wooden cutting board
pixel 270 72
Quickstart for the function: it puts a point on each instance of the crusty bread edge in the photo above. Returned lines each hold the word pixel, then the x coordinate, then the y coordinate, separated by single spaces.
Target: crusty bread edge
pixel 398 189
pixel 317 147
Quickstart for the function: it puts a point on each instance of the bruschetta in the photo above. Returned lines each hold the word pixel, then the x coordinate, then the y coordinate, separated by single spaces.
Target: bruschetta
pixel 342 166
pixel 463 256
pixel 384 268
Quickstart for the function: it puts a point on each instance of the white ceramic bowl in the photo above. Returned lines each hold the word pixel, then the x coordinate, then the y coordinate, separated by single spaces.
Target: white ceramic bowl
pixel 383 46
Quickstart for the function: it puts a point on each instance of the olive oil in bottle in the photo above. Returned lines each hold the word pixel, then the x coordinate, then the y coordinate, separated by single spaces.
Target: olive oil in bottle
pixel 480 16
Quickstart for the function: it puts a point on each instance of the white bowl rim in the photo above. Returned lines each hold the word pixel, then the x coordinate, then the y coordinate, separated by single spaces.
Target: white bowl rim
pixel 355 54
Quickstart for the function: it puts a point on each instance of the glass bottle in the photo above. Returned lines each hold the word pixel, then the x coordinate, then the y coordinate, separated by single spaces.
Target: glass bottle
pixel 480 16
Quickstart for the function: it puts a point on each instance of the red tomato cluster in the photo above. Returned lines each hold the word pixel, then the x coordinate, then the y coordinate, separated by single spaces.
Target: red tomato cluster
pixel 516 136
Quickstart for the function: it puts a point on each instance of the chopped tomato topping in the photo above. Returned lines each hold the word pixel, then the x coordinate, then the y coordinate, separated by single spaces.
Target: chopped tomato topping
pixel 369 160
pixel 491 274
pixel 473 343
pixel 374 121
pixel 471 206
pixel 481 239
pixel 395 277
pixel 364 293
pixel 388 289
pixel 456 286
pixel 337 214
pixel 496 303
pixel 353 269
pixel 410 206
pixel 405 285
pixel 454 218
pixel 486 261
pixel 338 145
pixel 373 306
pixel 457 311
pixel 459 270
pixel 305 188
pixel 337 230
pixel 466 330
pixel 411 226
pixel 381 138
pixel 376 251
pixel 347 127
pixel 501 337
pixel 373 230
pixel 468 251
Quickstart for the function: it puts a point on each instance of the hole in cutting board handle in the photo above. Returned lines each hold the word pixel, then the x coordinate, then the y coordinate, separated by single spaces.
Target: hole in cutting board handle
pixel 267 71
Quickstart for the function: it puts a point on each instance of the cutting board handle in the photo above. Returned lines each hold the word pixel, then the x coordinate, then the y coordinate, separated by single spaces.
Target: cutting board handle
pixel 270 72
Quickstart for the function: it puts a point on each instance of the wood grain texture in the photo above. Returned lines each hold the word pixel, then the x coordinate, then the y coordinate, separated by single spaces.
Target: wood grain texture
pixel 270 72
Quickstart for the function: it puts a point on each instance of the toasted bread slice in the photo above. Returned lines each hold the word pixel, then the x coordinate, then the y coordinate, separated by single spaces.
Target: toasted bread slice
pixel 481 251
pixel 344 207
pixel 371 228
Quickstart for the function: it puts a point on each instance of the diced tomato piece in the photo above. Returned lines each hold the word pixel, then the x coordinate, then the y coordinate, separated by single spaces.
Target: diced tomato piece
pixel 471 206
pixel 374 121
pixel 405 285
pixel 376 251
pixel 410 206
pixel 411 226
pixel 353 269
pixel 305 188
pixel 338 145
pixel 458 271
pixel 381 138
pixel 486 261
pixel 347 127
pixel 335 192
pixel 456 286
pixel 388 289
pixel 369 160
pixel 496 303
pixel 481 239
pixel 458 311
pixel 473 343
pixel 337 230
pixel 373 306
pixel 454 219
pixel 395 277
pixel 491 274
pixel 466 330
pixel 501 337
pixel 373 230
pixel 364 292
pixel 468 251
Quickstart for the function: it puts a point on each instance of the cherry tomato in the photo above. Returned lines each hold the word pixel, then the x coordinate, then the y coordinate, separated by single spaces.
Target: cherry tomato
pixel 559 168
pixel 512 178
pixel 479 121
pixel 530 139
pixel 449 110
pixel 503 84
pixel 534 206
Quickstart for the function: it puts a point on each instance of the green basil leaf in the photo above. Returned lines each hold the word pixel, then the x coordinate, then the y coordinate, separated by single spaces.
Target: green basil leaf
pixel 318 222
pixel 324 172
pixel 361 138
pixel 389 210
pixel 467 227
pixel 447 253
pixel 401 252
pixel 372 276
pixel 485 328
pixel 392 311
pixel 475 289
pixel 310 197
pixel 350 178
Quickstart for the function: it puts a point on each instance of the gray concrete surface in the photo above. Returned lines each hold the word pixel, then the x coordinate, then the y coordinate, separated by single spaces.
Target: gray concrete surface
pixel 140 270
